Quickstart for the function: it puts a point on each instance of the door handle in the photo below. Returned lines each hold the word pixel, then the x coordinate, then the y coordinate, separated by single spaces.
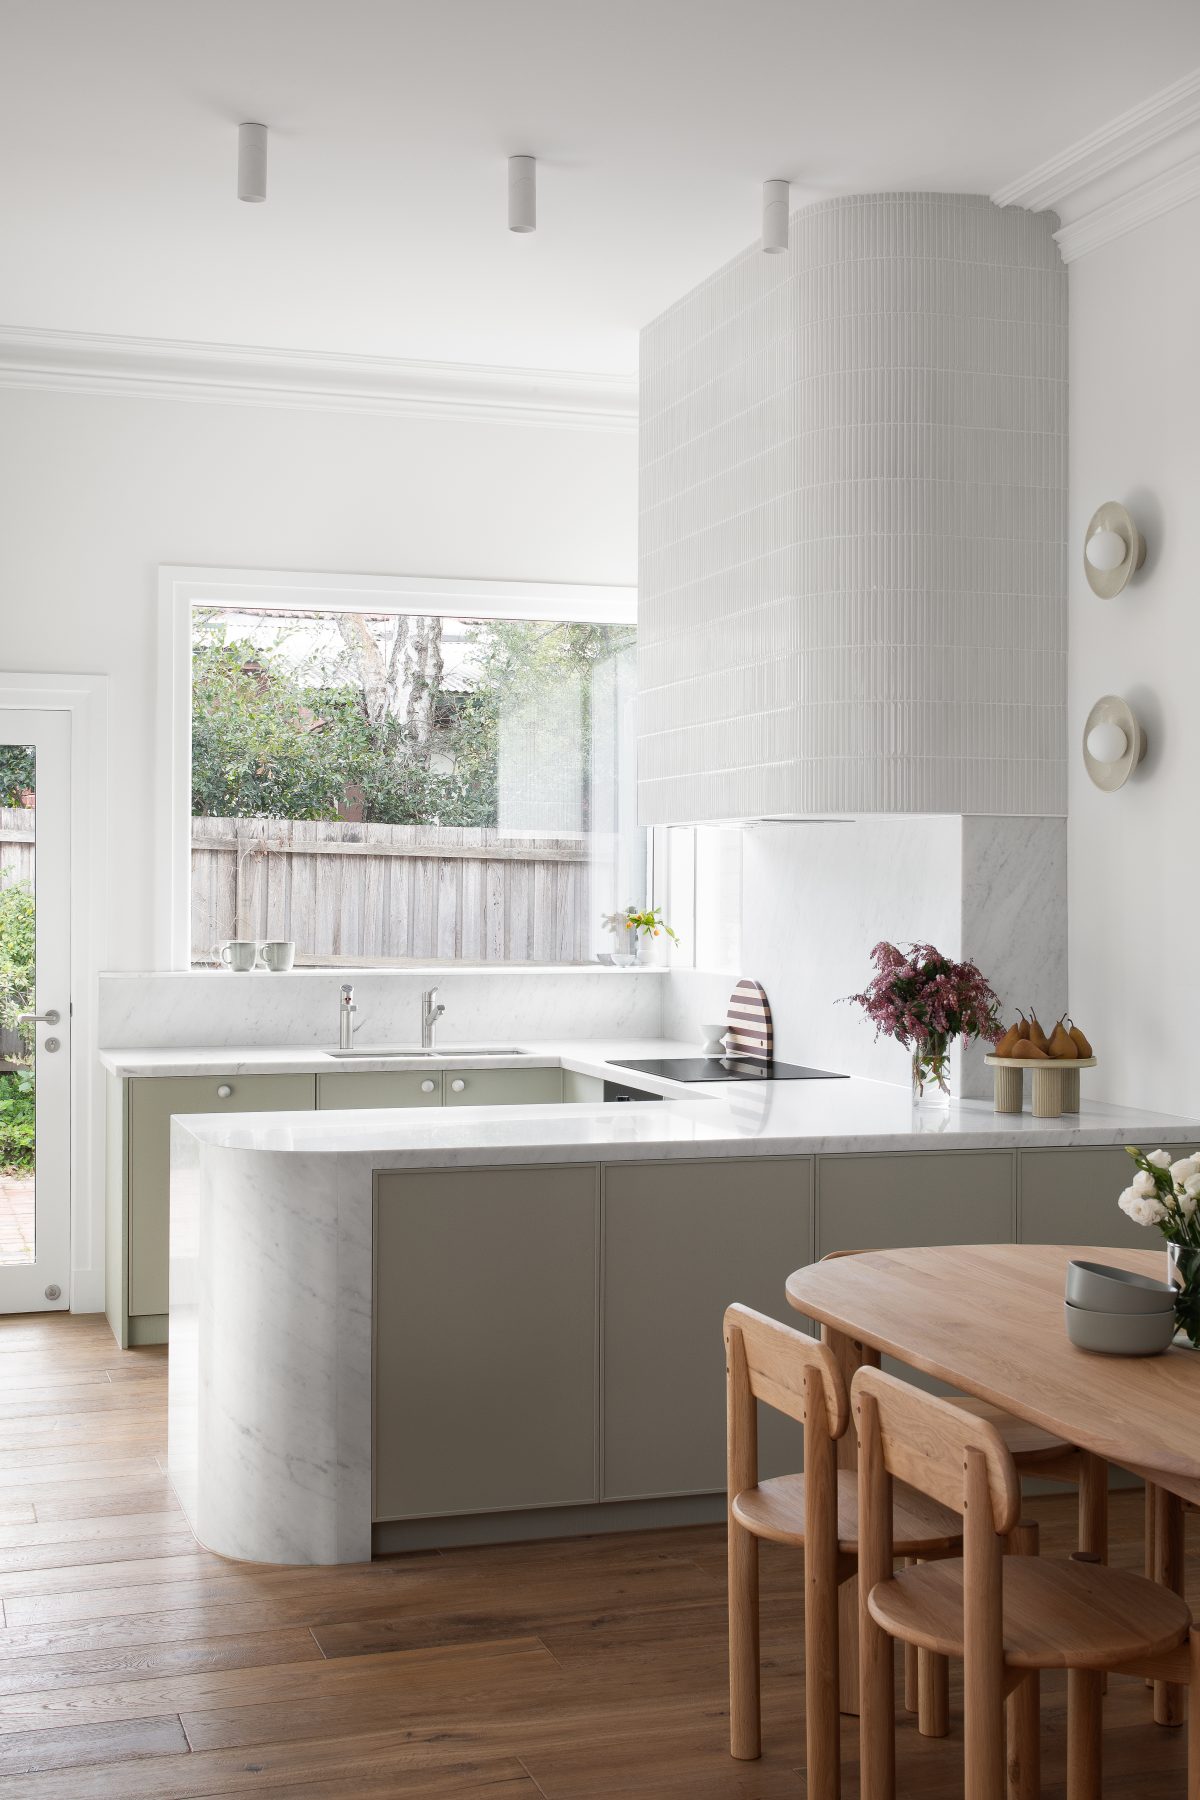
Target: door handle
pixel 46 1018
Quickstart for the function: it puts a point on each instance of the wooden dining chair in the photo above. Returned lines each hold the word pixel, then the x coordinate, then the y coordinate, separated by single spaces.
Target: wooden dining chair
pixel 1038 1454
pixel 816 1512
pixel 1005 1617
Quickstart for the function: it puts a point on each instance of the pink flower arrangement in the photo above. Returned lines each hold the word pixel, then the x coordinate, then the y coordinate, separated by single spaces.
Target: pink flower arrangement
pixel 920 996
pixel 923 999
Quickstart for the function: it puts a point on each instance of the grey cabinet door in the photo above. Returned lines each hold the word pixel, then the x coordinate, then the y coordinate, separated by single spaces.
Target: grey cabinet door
pixel 681 1241
pixel 387 1087
pixel 501 1087
pixel 930 1197
pixel 485 1339
pixel 152 1101
pixel 1070 1197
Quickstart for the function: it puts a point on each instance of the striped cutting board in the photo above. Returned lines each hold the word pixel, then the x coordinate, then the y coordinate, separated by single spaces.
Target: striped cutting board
pixel 750 1030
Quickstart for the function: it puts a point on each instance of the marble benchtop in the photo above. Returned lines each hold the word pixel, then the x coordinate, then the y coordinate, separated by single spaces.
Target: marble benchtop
pixel 707 1119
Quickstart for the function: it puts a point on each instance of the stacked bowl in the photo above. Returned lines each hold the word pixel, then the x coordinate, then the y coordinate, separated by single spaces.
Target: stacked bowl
pixel 1117 1313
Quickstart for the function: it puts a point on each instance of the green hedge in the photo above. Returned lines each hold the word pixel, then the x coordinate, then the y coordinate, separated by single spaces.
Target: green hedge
pixel 17 1116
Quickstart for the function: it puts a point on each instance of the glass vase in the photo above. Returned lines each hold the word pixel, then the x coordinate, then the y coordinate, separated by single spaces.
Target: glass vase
pixel 1183 1273
pixel 931 1073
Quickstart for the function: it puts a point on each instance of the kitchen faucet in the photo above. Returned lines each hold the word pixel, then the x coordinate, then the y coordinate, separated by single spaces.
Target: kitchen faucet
pixel 346 1025
pixel 430 1014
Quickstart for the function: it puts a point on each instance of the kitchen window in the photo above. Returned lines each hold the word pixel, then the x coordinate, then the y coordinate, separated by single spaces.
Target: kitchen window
pixel 388 785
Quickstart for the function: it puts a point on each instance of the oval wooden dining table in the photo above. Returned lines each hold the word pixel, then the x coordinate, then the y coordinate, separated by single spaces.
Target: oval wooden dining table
pixel 988 1319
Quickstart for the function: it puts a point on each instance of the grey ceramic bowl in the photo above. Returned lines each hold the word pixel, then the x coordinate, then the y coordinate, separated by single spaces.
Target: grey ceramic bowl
pixel 1119 1334
pixel 1102 1288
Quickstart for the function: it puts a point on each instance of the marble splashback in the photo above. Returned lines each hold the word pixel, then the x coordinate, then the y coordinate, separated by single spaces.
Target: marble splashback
pixel 816 896
pixel 208 1007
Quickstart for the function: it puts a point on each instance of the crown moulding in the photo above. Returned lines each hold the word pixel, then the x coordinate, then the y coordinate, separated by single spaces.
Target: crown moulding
pixel 1137 167
pixel 236 375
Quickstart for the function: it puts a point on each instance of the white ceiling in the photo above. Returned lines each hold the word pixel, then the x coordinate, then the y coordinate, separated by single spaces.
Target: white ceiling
pixel 654 123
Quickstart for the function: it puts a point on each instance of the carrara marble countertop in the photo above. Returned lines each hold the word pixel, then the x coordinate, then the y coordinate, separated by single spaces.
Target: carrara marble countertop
pixel 708 1119
pixel 271 1296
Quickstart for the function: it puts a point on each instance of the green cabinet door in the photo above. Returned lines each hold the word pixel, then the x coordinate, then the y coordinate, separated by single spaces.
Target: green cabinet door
pixel 1070 1197
pixel 152 1101
pixel 501 1087
pixel 485 1339
pixel 388 1087
pixel 681 1241
pixel 920 1197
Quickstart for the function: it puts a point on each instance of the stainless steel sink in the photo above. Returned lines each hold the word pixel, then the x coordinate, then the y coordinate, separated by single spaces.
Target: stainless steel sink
pixel 444 1055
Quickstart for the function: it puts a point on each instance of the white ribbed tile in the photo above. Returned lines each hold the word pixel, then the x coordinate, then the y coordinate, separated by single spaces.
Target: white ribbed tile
pixel 853 559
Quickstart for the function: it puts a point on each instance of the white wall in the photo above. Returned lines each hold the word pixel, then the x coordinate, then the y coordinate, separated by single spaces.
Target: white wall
pixel 99 491
pixel 817 897
pixel 1135 856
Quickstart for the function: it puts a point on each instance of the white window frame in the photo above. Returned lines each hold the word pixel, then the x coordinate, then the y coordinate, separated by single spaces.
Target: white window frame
pixel 181 589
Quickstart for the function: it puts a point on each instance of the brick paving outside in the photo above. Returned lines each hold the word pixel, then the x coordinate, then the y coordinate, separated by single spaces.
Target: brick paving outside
pixel 16 1218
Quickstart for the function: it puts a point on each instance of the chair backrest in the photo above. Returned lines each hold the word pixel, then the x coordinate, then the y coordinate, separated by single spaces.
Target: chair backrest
pixel 797 1376
pixel 936 1447
pixel 784 1368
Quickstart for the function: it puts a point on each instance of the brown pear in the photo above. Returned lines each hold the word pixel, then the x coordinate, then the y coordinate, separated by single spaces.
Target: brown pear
pixel 1062 1044
pixel 1022 1026
pixel 1008 1043
pixel 1034 1053
pixel 1082 1047
pixel 1037 1036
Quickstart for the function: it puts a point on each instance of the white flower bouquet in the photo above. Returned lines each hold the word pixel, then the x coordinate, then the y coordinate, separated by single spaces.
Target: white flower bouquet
pixel 1167 1194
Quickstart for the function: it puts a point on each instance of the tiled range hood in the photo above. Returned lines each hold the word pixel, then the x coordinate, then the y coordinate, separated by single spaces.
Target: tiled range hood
pixel 853 522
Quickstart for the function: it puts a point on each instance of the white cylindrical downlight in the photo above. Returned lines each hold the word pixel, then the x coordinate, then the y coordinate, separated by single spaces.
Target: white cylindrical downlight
pixel 776 208
pixel 252 162
pixel 522 193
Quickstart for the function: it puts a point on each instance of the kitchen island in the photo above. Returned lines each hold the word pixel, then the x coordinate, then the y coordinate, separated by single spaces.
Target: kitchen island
pixel 396 1328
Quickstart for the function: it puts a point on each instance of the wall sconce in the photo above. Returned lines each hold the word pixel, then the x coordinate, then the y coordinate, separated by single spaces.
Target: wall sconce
pixel 1113 743
pixel 1113 548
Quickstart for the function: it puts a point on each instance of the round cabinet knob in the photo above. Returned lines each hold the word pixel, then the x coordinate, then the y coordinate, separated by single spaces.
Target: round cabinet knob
pixel 427 1087
pixel 458 1086
pixel 224 1091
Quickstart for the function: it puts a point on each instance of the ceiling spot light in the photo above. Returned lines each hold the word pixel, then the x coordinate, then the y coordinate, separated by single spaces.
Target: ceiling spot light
pixel 522 193
pixel 252 162
pixel 777 205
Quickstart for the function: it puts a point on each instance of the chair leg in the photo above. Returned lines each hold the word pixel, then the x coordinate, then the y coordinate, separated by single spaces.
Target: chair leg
pixel 1024 1739
pixel 745 1729
pixel 911 1687
pixel 1025 1701
pixel 933 1694
pixel 1148 1564
pixel 823 1730
pixel 1193 1706
pixel 926 1684
pixel 1084 1717
pixel 1168 1570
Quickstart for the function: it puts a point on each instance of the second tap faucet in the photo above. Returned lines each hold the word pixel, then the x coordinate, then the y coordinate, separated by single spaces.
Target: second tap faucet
pixel 430 1014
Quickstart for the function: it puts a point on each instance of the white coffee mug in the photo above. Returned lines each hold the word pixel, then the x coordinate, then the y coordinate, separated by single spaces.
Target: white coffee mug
pixel 239 953
pixel 277 955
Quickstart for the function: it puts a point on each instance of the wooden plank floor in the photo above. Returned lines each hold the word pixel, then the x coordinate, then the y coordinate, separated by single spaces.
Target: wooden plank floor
pixel 135 1666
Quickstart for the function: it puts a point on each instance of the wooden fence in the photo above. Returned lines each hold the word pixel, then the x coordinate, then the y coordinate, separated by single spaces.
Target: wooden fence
pixel 390 894
pixel 16 843
pixel 383 893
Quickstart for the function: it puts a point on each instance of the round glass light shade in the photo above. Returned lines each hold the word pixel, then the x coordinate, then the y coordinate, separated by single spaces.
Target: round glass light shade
pixel 1106 550
pixel 1107 742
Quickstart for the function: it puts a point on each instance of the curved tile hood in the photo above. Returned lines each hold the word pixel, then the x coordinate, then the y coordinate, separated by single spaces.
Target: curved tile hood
pixel 853 521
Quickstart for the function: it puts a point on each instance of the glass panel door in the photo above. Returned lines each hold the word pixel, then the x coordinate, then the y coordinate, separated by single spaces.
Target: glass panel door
pixel 35 1011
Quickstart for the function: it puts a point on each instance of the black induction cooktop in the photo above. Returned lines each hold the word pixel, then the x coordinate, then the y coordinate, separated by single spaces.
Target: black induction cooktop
pixel 727 1068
